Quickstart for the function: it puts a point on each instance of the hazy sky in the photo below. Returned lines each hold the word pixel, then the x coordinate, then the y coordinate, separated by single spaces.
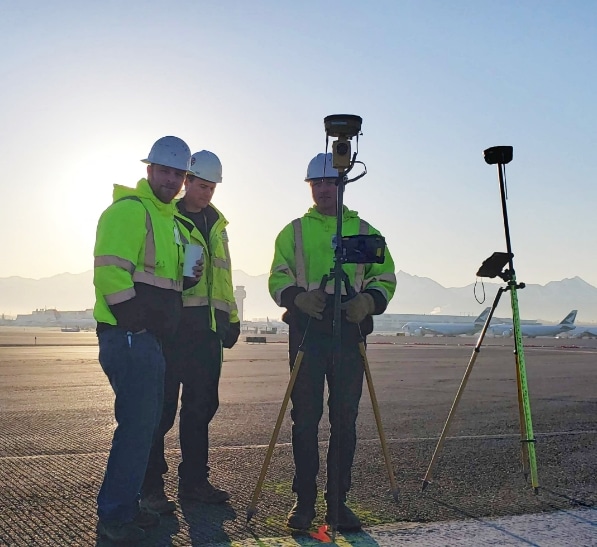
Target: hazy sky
pixel 87 87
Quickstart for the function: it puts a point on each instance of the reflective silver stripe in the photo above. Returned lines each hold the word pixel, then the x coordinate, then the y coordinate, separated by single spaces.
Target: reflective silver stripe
pixel 221 263
pixel 226 253
pixel 382 291
pixel 360 269
pixel 112 260
pixel 387 277
pixel 198 301
pixel 120 296
pixel 329 288
pixel 299 258
pixel 149 245
pixel 384 277
pixel 194 301
pixel 155 281
pixel 285 269
pixel 181 235
pixel 220 305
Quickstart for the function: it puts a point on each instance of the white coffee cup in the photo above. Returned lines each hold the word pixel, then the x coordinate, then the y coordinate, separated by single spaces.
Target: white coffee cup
pixel 192 253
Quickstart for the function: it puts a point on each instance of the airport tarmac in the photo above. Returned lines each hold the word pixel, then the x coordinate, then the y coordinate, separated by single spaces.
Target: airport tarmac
pixel 56 422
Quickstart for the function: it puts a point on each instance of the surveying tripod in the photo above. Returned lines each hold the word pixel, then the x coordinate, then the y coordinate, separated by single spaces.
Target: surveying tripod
pixel 252 509
pixel 492 267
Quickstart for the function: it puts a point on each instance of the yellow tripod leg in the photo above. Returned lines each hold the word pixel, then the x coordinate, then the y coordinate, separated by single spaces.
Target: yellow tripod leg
pixel 252 509
pixel 382 437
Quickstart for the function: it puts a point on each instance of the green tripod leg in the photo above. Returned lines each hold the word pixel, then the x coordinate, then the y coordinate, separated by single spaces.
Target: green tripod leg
pixel 527 436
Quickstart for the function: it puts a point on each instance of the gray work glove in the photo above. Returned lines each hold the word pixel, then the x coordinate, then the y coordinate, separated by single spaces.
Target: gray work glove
pixel 359 307
pixel 312 303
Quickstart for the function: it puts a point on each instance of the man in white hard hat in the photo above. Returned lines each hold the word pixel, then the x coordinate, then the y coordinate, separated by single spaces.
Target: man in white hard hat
pixel 209 322
pixel 137 309
pixel 304 253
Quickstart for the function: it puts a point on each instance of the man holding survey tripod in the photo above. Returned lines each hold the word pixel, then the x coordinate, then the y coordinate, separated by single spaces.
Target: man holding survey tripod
pixel 300 281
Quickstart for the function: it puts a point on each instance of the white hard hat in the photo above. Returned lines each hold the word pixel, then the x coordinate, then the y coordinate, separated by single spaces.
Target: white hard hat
pixel 171 152
pixel 321 166
pixel 206 165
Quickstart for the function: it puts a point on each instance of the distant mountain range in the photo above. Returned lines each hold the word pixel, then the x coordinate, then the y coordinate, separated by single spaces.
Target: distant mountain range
pixel 421 295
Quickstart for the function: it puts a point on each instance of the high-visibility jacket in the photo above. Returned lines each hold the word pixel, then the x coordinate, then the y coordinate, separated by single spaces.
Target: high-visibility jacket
pixel 304 253
pixel 138 262
pixel 211 302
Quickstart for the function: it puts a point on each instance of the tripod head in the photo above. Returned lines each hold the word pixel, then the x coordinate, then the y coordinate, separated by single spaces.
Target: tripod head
pixel 498 154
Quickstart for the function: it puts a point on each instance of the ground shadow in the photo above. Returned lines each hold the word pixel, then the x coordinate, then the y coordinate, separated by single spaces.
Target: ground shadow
pixel 471 516
pixel 206 522
pixel 160 536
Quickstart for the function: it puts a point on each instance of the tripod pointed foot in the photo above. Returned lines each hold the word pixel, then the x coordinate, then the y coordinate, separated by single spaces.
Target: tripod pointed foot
pixel 251 512
pixel 396 495
pixel 425 485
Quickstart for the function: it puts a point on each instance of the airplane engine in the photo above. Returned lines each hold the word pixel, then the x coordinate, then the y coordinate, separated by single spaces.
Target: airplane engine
pixel 507 333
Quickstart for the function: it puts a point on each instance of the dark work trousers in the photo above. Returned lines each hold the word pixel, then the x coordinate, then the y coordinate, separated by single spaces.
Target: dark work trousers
pixel 345 386
pixel 193 361
pixel 134 364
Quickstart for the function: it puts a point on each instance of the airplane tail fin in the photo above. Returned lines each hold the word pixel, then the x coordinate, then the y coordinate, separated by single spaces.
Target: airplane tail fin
pixel 570 318
pixel 482 316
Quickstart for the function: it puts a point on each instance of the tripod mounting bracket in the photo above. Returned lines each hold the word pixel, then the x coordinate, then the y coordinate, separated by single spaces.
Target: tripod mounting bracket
pixel 493 266
pixel 363 249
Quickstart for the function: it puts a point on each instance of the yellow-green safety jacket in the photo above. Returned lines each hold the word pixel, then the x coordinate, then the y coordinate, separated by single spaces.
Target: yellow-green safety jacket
pixel 210 304
pixel 304 253
pixel 139 256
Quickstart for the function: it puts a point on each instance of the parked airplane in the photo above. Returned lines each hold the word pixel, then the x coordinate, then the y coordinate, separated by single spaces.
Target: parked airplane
pixel 531 331
pixel 418 328
pixel 582 331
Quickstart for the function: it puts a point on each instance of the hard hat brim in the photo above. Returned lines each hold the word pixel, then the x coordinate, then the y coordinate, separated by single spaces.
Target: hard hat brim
pixel 324 178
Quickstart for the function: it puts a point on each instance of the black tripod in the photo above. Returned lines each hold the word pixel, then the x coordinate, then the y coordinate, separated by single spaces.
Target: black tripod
pixel 492 267
pixel 341 256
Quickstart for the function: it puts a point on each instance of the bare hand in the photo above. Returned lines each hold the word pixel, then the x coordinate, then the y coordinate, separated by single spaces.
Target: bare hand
pixel 198 269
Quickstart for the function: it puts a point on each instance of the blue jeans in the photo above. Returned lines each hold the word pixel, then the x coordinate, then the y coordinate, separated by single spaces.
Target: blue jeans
pixel 135 367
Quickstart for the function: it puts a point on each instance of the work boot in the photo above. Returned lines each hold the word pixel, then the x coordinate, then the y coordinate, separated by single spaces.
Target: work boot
pixel 301 515
pixel 158 502
pixel 120 532
pixel 347 520
pixel 205 492
pixel 146 518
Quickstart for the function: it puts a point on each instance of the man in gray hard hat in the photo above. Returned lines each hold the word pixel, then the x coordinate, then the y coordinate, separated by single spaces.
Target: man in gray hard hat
pixel 138 282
